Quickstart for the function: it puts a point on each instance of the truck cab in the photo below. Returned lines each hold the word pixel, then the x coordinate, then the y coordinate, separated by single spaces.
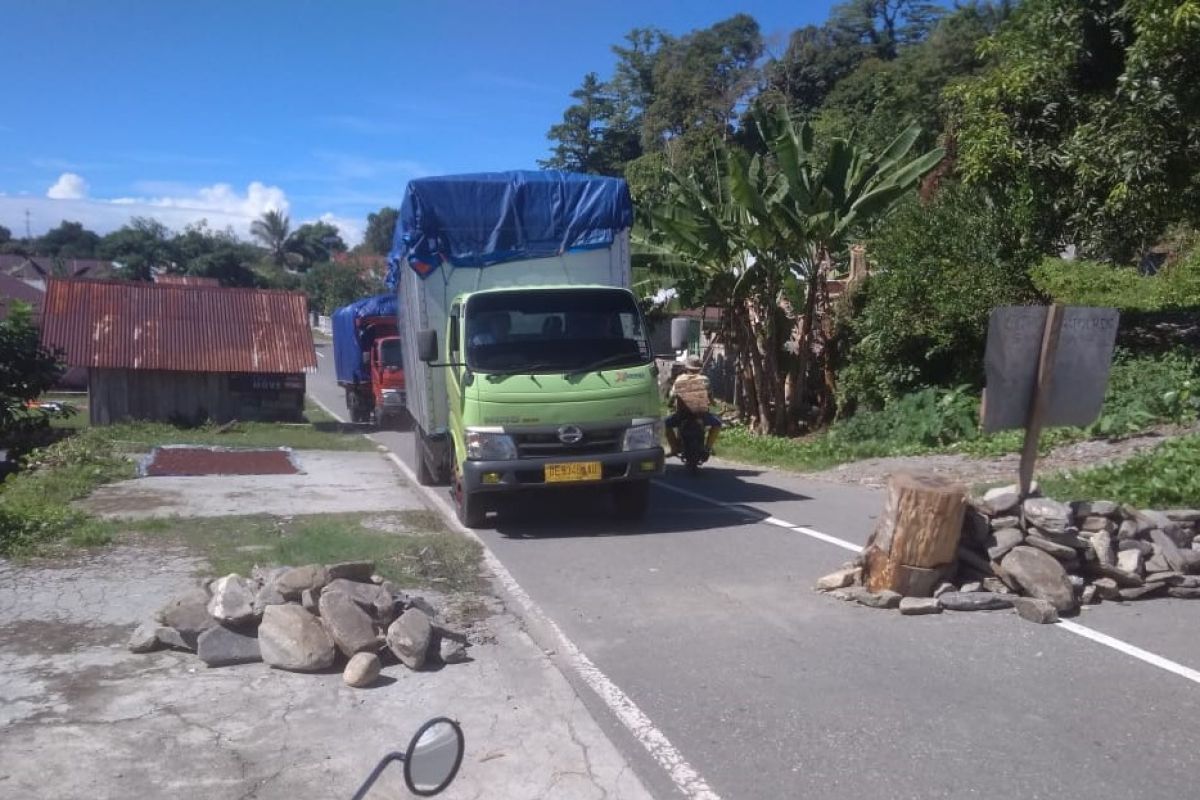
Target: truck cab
pixel 387 379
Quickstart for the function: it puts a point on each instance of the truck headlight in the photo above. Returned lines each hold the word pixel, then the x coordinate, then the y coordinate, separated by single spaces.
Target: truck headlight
pixel 642 437
pixel 483 446
pixel 392 396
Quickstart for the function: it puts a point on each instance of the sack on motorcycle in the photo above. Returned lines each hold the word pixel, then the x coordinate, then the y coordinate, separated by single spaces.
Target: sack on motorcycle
pixel 693 396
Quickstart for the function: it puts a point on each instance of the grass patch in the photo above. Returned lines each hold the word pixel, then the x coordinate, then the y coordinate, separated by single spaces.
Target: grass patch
pixel 1166 477
pixel 411 548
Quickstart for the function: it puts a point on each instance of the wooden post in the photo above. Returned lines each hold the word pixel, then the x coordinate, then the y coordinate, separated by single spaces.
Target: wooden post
pixel 916 541
pixel 1041 396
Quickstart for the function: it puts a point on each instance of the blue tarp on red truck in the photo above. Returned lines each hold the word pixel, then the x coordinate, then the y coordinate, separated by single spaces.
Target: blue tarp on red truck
pixel 347 347
pixel 489 218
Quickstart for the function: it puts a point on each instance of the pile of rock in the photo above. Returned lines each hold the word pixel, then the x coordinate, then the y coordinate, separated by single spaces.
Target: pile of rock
pixel 1045 558
pixel 305 619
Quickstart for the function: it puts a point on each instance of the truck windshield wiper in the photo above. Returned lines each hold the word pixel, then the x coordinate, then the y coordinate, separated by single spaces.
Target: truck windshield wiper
pixel 603 362
pixel 528 369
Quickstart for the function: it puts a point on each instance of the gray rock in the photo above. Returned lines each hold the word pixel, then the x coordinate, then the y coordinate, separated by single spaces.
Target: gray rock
pixel 1004 540
pixel 1010 521
pixel 376 600
pixel 416 601
pixel 1077 583
pixel 1168 550
pixel 351 571
pixel 292 583
pixel 1139 592
pixel 1041 576
pixel 972 586
pixel 1128 530
pixel 916 606
pixel 1045 545
pixel 376 578
pixel 144 638
pixel 1191 561
pixel 943 588
pixel 1190 581
pixel 1094 524
pixel 452 652
pixel 1001 499
pixel 1152 520
pixel 1170 578
pixel 840 579
pixel 1095 508
pixel 1123 578
pixel 975 601
pixel 267 595
pixel 169 637
pixel 1187 515
pixel 1048 515
pixel 188 615
pixel 1036 610
pixel 1184 592
pixel 850 594
pixel 232 600
pixel 996 585
pixel 1107 588
pixel 1090 596
pixel 362 670
pixel 310 601
pixel 221 646
pixel 351 628
pixel 1102 546
pixel 265 576
pixel 292 638
pixel 408 637
pixel 1146 548
pixel 883 599
pixel 1130 561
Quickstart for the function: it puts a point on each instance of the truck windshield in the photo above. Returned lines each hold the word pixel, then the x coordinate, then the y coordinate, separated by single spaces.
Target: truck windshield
pixel 389 353
pixel 554 330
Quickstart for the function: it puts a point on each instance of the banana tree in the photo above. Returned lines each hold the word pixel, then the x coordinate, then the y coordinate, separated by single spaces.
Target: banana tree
pixel 762 232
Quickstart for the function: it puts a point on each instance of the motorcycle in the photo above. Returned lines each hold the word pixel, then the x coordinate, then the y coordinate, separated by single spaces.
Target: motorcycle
pixel 431 760
pixel 692 434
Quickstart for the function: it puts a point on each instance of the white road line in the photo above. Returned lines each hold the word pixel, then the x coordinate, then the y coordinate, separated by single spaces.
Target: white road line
pixel 319 354
pixel 1130 650
pixel 655 742
pixel 779 523
pixel 1066 625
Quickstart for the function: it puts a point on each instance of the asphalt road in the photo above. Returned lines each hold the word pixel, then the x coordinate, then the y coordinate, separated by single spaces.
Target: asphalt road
pixel 703 614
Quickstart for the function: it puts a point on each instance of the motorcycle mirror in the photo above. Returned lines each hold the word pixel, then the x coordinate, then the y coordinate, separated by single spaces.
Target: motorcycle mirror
pixel 433 757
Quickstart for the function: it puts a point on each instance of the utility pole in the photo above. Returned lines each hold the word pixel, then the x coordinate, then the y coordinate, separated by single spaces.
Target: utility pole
pixel 28 235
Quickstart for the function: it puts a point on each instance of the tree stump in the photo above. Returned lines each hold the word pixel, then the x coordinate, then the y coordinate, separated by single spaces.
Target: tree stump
pixel 915 543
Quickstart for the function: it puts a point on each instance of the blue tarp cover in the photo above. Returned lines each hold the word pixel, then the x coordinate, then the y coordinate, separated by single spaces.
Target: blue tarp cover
pixel 489 218
pixel 347 346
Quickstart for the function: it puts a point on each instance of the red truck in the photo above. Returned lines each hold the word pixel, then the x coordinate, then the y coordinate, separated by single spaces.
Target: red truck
pixel 368 362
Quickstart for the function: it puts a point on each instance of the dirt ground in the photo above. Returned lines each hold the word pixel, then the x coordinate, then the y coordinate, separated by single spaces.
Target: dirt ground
pixel 81 717
pixel 329 483
pixel 1080 455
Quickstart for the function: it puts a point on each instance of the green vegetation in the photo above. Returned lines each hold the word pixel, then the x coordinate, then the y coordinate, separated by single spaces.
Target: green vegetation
pixel 410 548
pixel 1166 477
pixel 1089 283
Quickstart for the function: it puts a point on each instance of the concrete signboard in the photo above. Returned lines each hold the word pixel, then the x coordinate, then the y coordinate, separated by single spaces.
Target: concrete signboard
pixel 1079 375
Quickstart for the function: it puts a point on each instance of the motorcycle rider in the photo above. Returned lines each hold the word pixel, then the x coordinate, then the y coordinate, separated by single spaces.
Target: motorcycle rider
pixel 691 377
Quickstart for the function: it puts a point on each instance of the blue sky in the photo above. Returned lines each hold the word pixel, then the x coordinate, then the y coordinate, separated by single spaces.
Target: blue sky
pixel 221 109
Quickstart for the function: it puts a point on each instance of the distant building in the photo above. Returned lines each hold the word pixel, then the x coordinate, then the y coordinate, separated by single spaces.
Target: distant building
pixel 182 353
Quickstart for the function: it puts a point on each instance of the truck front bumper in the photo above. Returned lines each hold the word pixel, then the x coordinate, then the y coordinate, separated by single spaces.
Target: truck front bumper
pixel 530 473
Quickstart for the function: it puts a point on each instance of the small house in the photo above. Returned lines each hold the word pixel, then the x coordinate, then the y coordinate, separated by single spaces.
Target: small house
pixel 182 353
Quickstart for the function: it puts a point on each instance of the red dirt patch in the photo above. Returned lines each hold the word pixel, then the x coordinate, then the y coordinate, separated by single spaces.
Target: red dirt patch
pixel 202 461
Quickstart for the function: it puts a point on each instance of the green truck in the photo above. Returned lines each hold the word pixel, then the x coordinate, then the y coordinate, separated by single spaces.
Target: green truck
pixel 528 363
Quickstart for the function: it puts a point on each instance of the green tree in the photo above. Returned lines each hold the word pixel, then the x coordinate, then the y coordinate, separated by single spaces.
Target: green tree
pixel 1088 119
pixel 5 235
pixel 330 286
pixel 27 370
pixel 272 230
pixel 885 25
pixel 313 242
pixel 765 235
pixel 139 248
pixel 381 228
pixel 816 59
pixel 68 240
pixel 580 137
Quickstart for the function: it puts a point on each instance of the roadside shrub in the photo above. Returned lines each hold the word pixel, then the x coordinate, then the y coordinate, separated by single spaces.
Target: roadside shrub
pixel 938 270
pixel 1148 390
pixel 1089 283
pixel 1166 477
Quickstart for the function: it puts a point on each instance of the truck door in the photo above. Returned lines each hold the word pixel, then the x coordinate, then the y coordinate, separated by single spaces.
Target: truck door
pixel 454 379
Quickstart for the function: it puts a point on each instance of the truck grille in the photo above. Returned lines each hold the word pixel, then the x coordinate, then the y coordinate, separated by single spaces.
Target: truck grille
pixel 547 445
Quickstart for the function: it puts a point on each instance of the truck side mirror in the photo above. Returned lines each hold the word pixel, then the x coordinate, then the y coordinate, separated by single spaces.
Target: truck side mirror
pixel 427 345
pixel 682 330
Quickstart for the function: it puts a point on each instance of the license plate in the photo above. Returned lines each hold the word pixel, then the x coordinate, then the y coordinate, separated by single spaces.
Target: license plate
pixel 570 472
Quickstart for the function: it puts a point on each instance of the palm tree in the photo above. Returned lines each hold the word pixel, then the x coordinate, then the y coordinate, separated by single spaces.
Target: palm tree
pixel 762 234
pixel 273 229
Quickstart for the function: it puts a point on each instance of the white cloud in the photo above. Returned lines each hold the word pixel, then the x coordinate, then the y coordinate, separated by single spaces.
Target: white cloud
pixel 69 186
pixel 352 230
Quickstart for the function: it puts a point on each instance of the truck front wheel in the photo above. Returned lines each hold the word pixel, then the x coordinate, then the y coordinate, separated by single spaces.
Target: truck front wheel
pixel 631 499
pixel 468 507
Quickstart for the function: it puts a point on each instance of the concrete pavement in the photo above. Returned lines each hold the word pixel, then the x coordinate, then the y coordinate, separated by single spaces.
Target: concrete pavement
pixel 703 615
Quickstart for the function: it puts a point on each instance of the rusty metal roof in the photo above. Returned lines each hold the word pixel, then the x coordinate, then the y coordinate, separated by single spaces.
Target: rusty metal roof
pixel 115 325
pixel 186 280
